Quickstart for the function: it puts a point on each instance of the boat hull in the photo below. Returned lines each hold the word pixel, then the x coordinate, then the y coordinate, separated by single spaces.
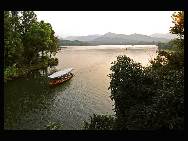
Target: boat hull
pixel 59 81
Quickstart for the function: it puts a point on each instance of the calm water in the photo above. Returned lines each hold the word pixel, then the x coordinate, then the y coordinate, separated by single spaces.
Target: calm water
pixel 32 104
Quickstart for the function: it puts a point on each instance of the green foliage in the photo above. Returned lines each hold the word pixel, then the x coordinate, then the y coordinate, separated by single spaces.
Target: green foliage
pixel 150 97
pixel 171 60
pixel 27 19
pixel 178 28
pixel 53 62
pixel 10 71
pixel 130 89
pixel 173 45
pixel 100 122
pixel 27 41
pixel 39 38
pixel 178 20
pixel 53 126
pixel 12 42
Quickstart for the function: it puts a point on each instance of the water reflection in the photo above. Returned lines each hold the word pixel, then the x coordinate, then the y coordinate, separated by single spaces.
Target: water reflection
pixel 29 102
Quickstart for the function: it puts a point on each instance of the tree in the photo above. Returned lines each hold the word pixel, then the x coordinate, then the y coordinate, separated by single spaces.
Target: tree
pixel 39 38
pixel 100 122
pixel 25 38
pixel 178 28
pixel 149 97
pixel 27 19
pixel 12 39
pixel 178 20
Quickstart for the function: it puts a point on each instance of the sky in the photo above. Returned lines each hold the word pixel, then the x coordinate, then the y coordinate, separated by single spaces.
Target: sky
pixel 82 23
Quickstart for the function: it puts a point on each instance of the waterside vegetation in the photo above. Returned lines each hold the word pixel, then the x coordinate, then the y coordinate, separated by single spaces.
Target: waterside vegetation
pixel 148 97
pixel 28 44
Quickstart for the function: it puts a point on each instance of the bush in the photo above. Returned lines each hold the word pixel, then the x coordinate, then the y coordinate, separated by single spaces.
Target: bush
pixel 10 72
pixel 148 98
pixel 53 62
pixel 151 97
pixel 53 126
pixel 145 97
pixel 100 122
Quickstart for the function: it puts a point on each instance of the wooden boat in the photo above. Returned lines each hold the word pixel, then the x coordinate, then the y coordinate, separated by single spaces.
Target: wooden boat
pixel 60 77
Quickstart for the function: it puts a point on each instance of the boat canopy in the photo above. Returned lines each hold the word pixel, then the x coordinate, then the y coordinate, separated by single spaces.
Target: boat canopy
pixel 60 73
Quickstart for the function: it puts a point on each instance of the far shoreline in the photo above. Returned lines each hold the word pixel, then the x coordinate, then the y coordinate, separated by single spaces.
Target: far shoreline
pixel 112 46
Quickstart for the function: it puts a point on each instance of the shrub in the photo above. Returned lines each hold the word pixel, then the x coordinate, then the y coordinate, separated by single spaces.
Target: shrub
pixel 53 126
pixel 148 98
pixel 10 72
pixel 145 97
pixel 100 122
pixel 53 62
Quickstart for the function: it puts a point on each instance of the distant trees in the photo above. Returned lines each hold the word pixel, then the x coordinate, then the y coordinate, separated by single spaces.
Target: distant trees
pixel 26 41
pixel 171 45
pixel 148 97
pixel 73 43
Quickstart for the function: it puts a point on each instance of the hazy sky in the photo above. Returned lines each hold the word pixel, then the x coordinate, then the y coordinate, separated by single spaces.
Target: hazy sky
pixel 68 23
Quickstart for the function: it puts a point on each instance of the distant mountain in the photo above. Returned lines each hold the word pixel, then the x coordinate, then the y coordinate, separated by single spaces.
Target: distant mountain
pixel 82 38
pixel 113 38
pixel 167 35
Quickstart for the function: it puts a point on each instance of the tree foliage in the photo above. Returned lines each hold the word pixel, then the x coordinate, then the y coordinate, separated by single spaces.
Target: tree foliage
pixel 178 21
pixel 150 97
pixel 12 39
pixel 54 126
pixel 178 28
pixel 100 122
pixel 27 41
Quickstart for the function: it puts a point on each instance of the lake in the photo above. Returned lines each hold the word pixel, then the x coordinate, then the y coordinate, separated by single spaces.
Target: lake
pixel 30 104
